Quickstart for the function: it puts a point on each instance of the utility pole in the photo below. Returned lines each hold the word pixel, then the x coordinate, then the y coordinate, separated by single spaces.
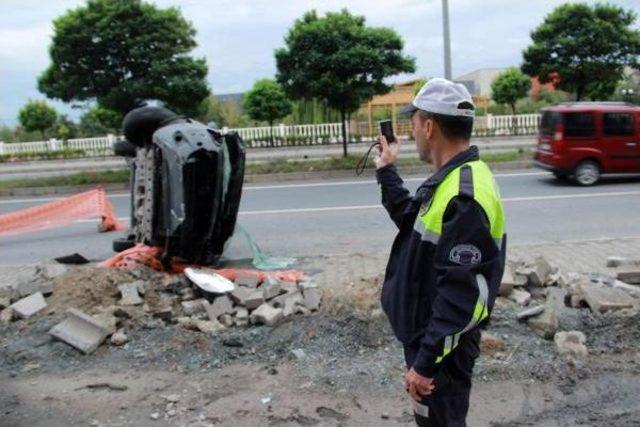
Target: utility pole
pixel 447 41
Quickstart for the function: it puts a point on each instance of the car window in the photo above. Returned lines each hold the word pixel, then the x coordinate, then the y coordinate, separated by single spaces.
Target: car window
pixel 578 125
pixel 548 122
pixel 617 124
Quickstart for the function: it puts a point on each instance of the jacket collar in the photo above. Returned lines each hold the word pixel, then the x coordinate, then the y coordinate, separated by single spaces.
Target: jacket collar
pixel 426 189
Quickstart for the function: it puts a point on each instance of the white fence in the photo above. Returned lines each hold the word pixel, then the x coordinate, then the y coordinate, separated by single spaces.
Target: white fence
pixel 284 135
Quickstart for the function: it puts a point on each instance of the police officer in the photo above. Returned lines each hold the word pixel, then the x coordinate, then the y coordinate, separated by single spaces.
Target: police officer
pixel 448 257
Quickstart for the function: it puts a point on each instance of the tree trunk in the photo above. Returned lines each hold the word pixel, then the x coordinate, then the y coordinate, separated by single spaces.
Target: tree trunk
pixel 579 91
pixel 514 120
pixel 344 132
pixel 271 132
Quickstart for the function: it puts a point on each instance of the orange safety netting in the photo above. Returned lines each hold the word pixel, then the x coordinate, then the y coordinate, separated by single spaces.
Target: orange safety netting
pixel 62 212
pixel 150 256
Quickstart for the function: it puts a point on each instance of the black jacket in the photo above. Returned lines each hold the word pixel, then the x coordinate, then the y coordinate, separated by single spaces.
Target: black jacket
pixel 426 295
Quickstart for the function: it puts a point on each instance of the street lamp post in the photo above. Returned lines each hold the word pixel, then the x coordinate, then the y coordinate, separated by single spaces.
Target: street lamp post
pixel 447 42
pixel 627 94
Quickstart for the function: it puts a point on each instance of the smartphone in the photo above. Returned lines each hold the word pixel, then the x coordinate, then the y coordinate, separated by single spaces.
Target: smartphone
pixel 386 129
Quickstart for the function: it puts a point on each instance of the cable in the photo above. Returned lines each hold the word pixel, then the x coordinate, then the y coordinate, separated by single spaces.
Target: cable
pixel 362 163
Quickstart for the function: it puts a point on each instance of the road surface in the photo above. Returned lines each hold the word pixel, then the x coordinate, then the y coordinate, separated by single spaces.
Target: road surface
pixel 337 216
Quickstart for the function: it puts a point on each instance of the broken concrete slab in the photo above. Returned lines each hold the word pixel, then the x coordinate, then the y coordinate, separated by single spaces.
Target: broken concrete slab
pixel 80 331
pixel 631 289
pixel 254 300
pixel 601 299
pixel 221 305
pixel 247 280
pixel 540 272
pixel 266 314
pixel 129 293
pixel 7 315
pixel 240 295
pixel 51 270
pixel 507 283
pixel 208 326
pixel 29 306
pixel 571 343
pixel 193 306
pixel 618 261
pixel 520 296
pixel 546 323
pixel 530 312
pixel 289 286
pixel 629 275
pixel 312 298
pixel 293 299
pixel 271 290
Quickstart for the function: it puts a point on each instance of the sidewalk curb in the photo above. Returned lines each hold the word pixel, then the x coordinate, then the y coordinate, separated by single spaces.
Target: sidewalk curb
pixel 249 179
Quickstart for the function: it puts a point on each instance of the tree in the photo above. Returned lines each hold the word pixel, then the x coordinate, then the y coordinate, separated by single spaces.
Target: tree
pixel 338 59
pixel 510 86
pixel 266 101
pixel 65 128
pixel 588 46
pixel 123 52
pixel 37 116
pixel 100 121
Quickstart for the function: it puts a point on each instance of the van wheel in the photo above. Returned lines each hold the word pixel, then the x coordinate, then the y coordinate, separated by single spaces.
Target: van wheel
pixel 587 173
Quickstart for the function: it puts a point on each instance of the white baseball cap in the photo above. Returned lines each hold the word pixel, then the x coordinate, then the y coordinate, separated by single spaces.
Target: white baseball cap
pixel 442 96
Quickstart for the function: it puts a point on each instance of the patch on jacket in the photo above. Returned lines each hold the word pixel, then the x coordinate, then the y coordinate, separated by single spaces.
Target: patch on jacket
pixel 465 255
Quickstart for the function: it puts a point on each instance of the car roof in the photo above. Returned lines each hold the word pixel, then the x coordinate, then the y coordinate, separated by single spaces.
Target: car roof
pixel 593 106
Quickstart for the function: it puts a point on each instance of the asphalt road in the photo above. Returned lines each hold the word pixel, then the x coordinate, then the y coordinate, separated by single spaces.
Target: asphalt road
pixel 332 217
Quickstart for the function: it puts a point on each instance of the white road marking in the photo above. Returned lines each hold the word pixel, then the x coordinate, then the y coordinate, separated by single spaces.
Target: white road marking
pixel 276 187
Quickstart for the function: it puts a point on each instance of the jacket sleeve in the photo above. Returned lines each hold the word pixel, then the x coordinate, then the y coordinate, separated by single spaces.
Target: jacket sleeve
pixel 395 197
pixel 466 261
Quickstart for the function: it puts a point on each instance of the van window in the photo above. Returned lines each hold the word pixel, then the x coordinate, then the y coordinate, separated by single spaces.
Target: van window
pixel 548 122
pixel 617 124
pixel 578 125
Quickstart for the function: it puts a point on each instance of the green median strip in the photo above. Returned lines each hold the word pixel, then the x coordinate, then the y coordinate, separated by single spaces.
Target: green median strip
pixel 279 166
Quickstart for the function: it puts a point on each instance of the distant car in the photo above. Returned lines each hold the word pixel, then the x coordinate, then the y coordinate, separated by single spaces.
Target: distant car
pixel 584 140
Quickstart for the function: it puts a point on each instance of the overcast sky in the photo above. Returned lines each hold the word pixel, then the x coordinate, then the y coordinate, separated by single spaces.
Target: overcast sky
pixel 238 37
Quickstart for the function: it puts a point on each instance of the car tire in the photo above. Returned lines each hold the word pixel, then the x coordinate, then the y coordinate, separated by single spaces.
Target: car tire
pixel 124 149
pixel 120 245
pixel 587 173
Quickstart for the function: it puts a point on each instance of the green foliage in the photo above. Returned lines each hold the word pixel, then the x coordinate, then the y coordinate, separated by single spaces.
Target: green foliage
pixel 628 90
pixel 223 113
pixel 266 101
pixel 585 46
pixel 99 121
pixel 37 116
pixel 122 52
pixel 337 58
pixel 66 129
pixel 418 84
pixel 510 86
pixel 312 111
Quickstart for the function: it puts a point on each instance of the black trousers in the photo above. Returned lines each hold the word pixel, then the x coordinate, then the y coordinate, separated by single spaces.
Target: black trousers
pixel 448 405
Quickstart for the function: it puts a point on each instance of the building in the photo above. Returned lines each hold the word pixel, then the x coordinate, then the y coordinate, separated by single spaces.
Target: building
pixel 478 82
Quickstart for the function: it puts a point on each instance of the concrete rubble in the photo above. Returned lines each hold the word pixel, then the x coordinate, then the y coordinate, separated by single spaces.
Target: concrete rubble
pixel 129 292
pixel 571 343
pixel 81 331
pixel 29 306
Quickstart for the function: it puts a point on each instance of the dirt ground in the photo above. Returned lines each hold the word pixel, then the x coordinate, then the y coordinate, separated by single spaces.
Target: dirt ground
pixel 350 373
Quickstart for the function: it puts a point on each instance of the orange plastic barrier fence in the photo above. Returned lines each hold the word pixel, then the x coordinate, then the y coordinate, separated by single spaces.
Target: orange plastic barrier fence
pixel 150 256
pixel 62 212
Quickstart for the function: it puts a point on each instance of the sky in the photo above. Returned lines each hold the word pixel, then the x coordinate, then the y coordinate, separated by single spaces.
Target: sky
pixel 238 37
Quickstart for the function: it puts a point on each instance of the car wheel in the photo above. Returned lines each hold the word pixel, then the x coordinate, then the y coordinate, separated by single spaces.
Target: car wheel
pixel 120 245
pixel 587 173
pixel 124 149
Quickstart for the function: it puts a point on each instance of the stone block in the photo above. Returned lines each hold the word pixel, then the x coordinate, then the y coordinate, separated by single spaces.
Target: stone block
pixel 80 331
pixel 271 290
pixel 601 299
pixel 507 283
pixel 227 320
pixel 193 307
pixel 266 314
pixel 618 261
pixel 629 275
pixel 129 293
pixel 242 316
pixel 208 326
pixel 254 300
pixel 221 305
pixel 541 270
pixel 312 298
pixel 289 286
pixel 293 299
pixel 571 343
pixel 29 306
pixel 240 295
pixel 51 270
pixel 519 296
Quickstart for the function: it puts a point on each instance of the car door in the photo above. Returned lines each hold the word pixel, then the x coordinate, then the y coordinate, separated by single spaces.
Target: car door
pixel 620 137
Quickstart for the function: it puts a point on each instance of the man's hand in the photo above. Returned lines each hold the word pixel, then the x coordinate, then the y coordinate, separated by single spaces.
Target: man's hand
pixel 387 153
pixel 417 385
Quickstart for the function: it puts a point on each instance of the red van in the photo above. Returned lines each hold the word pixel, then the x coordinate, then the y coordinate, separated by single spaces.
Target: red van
pixel 586 139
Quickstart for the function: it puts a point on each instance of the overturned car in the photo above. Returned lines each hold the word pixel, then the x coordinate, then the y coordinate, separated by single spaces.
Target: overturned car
pixel 186 184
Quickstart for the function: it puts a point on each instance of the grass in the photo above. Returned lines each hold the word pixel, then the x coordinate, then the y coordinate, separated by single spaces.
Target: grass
pixel 278 166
